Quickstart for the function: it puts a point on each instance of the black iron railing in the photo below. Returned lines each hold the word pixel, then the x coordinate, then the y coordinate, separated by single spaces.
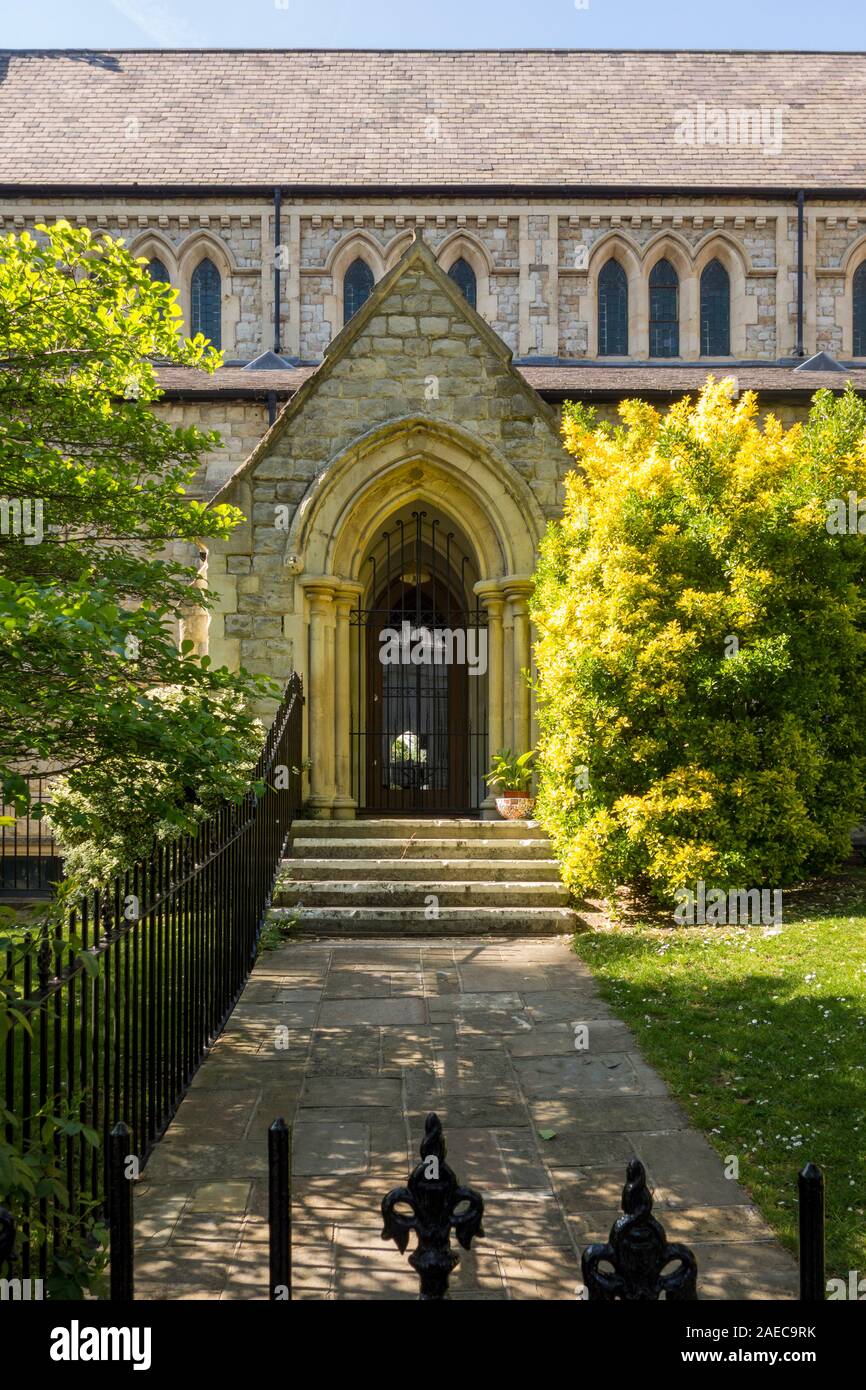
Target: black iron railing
pixel 30 862
pixel 637 1264
pixel 125 998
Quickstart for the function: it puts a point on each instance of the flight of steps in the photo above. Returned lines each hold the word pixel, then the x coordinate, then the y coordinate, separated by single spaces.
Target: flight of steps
pixel 422 878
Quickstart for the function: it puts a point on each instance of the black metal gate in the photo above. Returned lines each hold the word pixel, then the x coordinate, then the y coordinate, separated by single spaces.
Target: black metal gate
pixel 419 703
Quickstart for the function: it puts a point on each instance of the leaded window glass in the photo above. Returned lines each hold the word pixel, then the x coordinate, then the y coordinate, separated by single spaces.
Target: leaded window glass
pixel 463 276
pixel 206 302
pixel 157 271
pixel 357 288
pixel 715 311
pixel 860 311
pixel 664 290
pixel 612 310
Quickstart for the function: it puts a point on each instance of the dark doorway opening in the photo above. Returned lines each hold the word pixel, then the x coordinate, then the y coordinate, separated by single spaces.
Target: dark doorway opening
pixel 419 724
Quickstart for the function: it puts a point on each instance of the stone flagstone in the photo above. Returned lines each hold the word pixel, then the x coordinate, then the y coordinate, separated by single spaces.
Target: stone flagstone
pixel 353 1042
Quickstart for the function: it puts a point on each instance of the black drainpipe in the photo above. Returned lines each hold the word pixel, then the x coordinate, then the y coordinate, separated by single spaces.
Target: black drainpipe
pixel 272 407
pixel 278 202
pixel 801 218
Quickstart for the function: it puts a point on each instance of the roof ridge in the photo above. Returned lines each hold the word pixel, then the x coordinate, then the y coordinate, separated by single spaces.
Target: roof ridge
pixel 468 52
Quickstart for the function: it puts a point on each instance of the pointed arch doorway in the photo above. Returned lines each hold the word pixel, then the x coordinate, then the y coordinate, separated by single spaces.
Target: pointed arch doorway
pixel 419 729
pixel 338 530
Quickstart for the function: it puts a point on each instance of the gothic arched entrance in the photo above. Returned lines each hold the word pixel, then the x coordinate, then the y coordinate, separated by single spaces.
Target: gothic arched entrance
pixel 338 546
pixel 419 735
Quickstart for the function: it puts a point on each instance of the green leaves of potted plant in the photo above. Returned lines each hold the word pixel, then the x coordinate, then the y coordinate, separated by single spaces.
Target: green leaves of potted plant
pixel 513 773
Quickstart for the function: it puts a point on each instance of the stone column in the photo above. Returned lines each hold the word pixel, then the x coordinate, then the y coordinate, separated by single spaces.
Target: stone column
pixel 508 691
pixel 517 589
pixel 194 625
pixel 320 693
pixel 493 601
pixel 344 805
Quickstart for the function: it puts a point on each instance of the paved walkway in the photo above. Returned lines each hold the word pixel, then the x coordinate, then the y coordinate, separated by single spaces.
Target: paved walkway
pixel 356 1041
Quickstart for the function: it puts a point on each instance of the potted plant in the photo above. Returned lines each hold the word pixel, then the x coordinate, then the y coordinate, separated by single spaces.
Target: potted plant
pixel 513 774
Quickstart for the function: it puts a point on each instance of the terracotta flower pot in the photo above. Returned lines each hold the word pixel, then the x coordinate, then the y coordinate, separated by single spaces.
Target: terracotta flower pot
pixel 515 805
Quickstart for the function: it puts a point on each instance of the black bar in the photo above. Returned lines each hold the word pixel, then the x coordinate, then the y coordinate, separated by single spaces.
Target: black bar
pixel 278 200
pixel 810 1191
pixel 280 1211
pixel 770 193
pixel 801 352
pixel 7 1237
pixel 120 1215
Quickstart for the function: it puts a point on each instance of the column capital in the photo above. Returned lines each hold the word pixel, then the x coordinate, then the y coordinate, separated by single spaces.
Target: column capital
pixel 517 585
pixel 347 594
pixel 518 588
pixel 325 589
pixel 319 587
pixel 489 595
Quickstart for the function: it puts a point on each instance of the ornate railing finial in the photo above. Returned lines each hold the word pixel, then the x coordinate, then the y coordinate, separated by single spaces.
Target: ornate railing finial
pixel 638 1251
pixel 432 1196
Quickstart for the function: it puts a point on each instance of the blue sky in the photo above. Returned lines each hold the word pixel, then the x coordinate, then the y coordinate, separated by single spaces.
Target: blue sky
pixel 799 24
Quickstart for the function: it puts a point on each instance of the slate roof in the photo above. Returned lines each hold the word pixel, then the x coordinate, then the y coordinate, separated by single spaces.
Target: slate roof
pixel 553 383
pixel 423 120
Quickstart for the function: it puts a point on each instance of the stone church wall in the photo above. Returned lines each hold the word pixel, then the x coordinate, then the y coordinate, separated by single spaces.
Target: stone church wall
pixel 416 335
pixel 534 287
pixel 242 425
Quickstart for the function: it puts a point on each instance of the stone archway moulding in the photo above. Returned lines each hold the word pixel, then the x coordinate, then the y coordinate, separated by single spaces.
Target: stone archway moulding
pixel 406 461
pixel 416 459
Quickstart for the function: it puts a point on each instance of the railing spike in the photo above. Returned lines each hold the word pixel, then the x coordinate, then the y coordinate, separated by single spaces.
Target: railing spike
pixel 433 1197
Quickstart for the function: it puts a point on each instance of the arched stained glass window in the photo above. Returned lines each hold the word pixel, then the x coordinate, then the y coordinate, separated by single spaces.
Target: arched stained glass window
pixel 206 302
pixel 664 294
pixel 612 310
pixel 357 287
pixel 859 296
pixel 715 311
pixel 157 271
pixel 463 276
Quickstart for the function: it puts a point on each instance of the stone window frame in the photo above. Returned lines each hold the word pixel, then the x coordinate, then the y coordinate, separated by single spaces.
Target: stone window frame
pixel 608 292
pixel 200 246
pixel 854 257
pixel 461 243
pixel 359 281
pixel 669 247
pixel 396 247
pixel 719 246
pixel 152 245
pixel 614 246
pixel 690 262
pixel 356 245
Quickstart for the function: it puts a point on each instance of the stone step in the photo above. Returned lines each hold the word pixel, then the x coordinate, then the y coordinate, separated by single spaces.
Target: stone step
pixel 406 870
pixel 393 893
pixel 354 847
pixel 413 921
pixel 425 828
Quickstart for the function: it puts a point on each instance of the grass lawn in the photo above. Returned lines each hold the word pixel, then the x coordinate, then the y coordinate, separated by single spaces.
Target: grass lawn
pixel 761 1034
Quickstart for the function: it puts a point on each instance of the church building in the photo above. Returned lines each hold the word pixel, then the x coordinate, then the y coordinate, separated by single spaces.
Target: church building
pixel 409 261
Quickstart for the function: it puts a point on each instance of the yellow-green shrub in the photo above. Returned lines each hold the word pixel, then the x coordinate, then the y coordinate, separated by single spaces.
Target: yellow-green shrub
pixel 741 763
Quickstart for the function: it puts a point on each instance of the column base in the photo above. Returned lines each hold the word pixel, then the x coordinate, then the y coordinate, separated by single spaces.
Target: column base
pixel 344 808
pixel 488 809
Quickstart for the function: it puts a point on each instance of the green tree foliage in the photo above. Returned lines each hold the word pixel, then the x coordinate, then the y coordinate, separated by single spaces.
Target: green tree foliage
pixel 701 653
pixel 107 816
pixel 88 612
